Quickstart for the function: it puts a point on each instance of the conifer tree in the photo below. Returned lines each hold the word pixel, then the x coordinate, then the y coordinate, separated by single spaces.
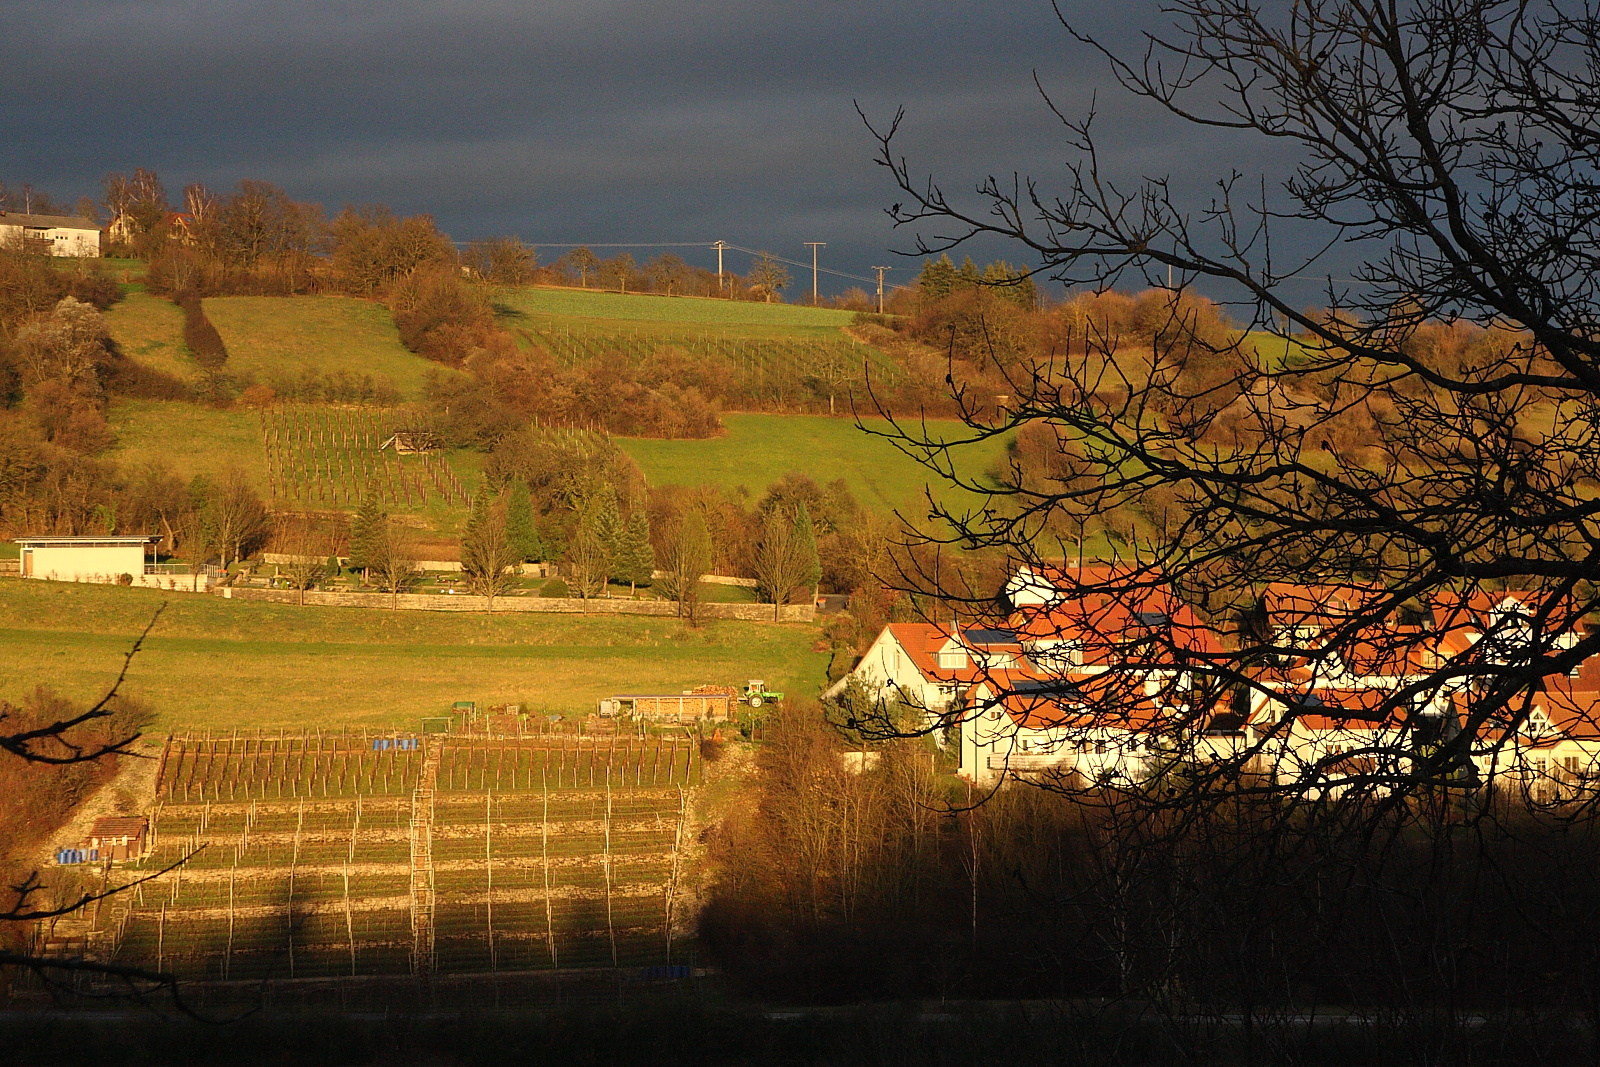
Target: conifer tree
pixel 593 552
pixel 521 531
pixel 636 558
pixel 805 542
pixel 485 550
pixel 938 278
pixel 368 534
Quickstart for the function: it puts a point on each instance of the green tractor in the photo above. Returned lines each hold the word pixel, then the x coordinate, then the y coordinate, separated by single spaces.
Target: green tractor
pixel 756 694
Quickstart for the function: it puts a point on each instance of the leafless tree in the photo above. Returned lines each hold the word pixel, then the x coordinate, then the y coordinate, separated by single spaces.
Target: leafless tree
pixel 1433 433
pixel 395 569
pixel 308 543
pixel 780 562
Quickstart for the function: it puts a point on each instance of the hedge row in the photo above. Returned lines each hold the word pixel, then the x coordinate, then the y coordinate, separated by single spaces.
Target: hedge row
pixel 202 338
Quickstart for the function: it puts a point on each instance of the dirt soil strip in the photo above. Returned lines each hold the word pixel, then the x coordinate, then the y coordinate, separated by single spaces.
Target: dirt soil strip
pixel 136 775
pixel 645 891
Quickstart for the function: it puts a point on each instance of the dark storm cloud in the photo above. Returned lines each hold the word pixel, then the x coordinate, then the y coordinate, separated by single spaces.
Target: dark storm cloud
pixel 597 121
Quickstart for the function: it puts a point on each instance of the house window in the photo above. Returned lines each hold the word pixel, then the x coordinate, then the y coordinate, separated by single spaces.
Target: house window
pixel 953 660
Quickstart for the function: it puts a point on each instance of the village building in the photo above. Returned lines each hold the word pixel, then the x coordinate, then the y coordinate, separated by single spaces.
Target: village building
pixel 107 559
pixel 180 226
pixel 1092 678
pixel 55 235
pixel 86 559
pixel 927 666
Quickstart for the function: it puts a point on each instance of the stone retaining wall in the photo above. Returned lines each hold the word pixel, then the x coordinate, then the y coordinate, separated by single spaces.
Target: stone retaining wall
pixel 508 604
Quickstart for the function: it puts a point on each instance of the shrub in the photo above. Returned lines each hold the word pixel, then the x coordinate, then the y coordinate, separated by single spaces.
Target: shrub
pixel 257 396
pixel 439 316
pixel 555 587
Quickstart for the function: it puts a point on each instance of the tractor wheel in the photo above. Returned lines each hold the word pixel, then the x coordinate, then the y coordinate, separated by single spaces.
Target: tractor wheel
pixel 755 700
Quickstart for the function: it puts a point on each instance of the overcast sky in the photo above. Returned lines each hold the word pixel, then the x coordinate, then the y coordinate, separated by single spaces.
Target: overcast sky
pixel 565 121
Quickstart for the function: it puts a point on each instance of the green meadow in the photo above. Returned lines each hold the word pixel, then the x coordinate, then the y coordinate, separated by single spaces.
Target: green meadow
pixel 759 449
pixel 278 336
pixel 220 664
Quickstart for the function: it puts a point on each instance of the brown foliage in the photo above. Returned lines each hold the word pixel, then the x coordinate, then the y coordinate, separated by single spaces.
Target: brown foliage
pixel 38 797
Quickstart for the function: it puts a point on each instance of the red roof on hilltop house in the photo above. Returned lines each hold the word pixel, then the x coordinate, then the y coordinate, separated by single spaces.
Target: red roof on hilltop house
pixel 922 642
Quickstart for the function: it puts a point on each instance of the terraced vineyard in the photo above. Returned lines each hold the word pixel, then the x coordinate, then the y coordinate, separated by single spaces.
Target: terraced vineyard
pixel 317 856
pixel 323 455
pixel 776 368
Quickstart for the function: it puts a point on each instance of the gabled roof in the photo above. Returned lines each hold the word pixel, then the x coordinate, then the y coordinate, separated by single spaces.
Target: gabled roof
pixel 1326 708
pixel 923 640
pixel 55 222
pixel 1112 627
pixel 118 826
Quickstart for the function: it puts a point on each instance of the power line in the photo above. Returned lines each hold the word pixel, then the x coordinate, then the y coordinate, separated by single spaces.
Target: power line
pixel 717 246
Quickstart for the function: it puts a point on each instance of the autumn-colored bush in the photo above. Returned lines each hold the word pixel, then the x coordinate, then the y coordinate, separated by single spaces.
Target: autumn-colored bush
pixel 439 315
pixel 35 798
pixel 31 285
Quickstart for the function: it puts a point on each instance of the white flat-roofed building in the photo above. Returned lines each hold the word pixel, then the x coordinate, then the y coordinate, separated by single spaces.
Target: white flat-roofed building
pixel 101 558
pixel 56 235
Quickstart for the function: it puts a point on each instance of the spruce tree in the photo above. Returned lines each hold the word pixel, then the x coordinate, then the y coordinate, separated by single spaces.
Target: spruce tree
pixel 805 542
pixel 938 278
pixel 608 531
pixel 368 534
pixel 520 528
pixel 968 277
pixel 636 558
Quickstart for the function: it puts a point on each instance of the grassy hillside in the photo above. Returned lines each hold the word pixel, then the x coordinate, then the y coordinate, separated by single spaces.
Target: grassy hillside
pixel 149 329
pixel 274 336
pixel 210 662
pixel 699 311
pixel 758 449
pixel 187 438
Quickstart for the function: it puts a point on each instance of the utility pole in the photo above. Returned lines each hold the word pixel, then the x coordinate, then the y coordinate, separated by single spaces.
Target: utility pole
pixel 881 271
pixel 814 245
pixel 719 246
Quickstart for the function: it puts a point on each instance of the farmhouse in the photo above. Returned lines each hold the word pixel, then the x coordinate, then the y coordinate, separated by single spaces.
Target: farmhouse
pixel 56 235
pixel 927 666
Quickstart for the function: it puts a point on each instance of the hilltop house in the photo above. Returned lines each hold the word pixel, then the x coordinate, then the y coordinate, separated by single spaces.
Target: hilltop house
pixel 923 665
pixel 56 235
pixel 1094 674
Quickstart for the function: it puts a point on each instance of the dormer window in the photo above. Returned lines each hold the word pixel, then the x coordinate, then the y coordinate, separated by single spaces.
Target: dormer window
pixel 952 659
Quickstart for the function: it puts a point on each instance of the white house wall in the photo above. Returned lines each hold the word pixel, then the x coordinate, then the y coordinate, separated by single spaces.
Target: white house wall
pixel 64 241
pixel 888 670
pixel 83 563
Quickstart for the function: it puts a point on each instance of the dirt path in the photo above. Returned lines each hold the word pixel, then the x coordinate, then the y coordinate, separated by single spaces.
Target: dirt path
pixel 136 776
